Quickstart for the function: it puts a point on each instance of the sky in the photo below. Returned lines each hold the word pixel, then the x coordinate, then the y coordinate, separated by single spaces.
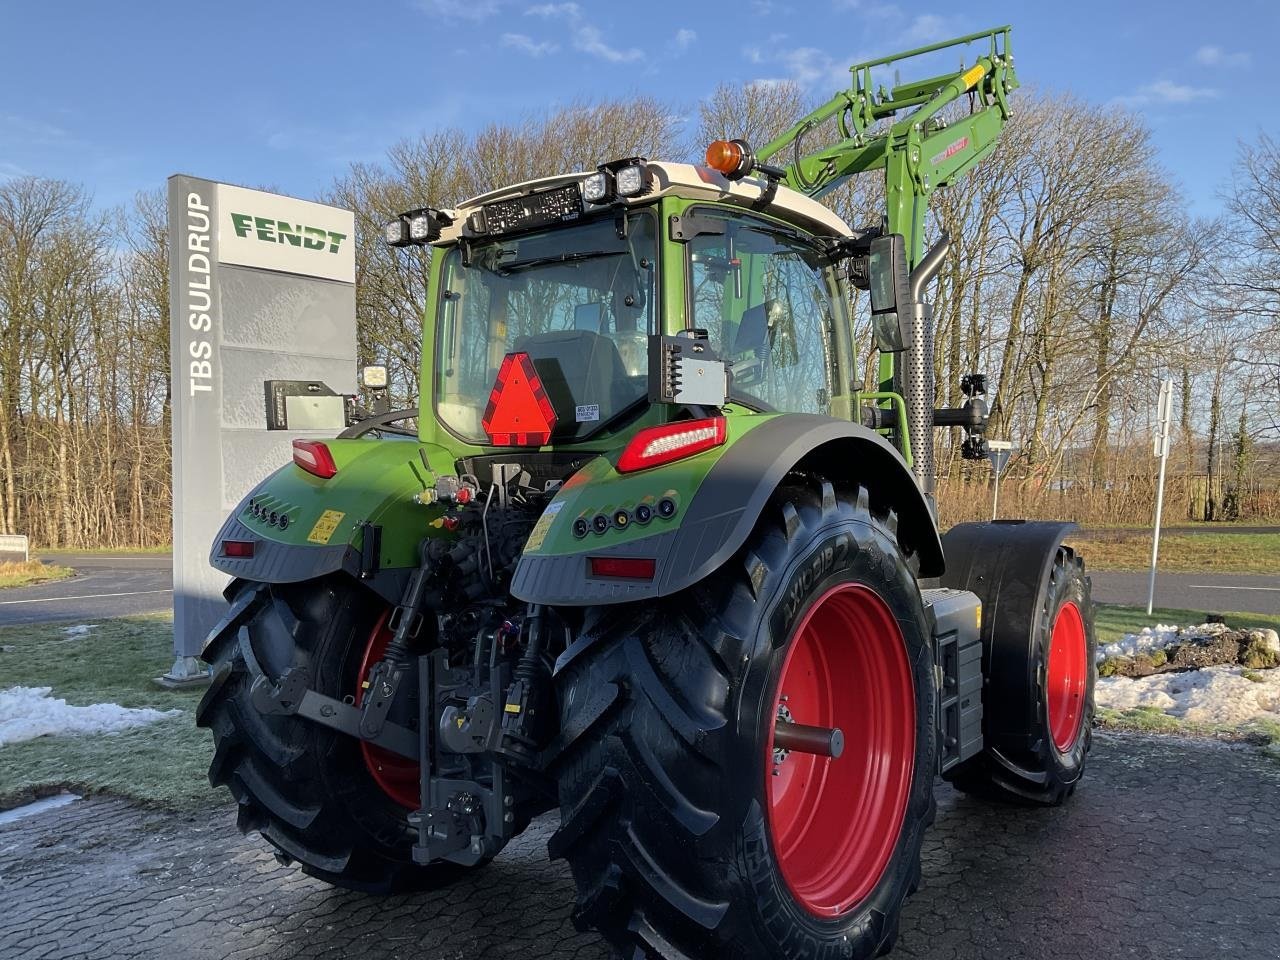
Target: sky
pixel 118 96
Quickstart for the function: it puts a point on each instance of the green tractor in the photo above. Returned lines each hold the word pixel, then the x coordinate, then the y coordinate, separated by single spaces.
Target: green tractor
pixel 651 559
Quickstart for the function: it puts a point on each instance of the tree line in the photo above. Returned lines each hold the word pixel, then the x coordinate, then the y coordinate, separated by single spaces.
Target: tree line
pixel 1077 281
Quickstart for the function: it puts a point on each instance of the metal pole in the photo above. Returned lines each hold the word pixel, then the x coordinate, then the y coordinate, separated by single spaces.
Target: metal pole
pixel 1165 409
pixel 995 499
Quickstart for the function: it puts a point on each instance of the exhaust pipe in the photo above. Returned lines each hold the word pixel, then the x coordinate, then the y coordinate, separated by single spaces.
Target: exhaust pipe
pixel 917 373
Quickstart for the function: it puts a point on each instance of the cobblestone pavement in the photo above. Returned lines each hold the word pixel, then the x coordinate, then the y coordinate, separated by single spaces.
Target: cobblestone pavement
pixel 1169 849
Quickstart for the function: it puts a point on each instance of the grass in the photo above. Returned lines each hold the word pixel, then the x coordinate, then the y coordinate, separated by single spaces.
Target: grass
pixel 110 551
pixel 162 764
pixel 1183 553
pixel 33 571
pixel 1113 622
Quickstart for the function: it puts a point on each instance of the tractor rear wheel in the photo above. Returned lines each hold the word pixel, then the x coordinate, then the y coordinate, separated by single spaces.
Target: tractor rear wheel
pixel 329 801
pixel 1038 715
pixel 689 832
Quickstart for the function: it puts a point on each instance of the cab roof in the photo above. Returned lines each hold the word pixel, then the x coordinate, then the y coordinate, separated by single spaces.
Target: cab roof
pixel 688 181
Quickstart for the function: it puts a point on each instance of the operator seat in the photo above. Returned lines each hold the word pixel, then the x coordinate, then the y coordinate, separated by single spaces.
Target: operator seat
pixel 579 368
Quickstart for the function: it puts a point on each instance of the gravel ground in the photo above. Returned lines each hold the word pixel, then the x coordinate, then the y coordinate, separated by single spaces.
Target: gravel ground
pixel 1169 849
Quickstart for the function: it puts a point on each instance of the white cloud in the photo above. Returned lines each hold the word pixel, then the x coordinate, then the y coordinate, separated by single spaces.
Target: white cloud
pixel 475 10
pixel 526 44
pixel 684 37
pixel 589 41
pixel 586 38
pixel 554 10
pixel 926 28
pixel 1166 91
pixel 1211 56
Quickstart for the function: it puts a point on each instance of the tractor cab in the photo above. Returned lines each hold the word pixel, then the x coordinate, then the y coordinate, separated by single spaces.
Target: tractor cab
pixel 587 273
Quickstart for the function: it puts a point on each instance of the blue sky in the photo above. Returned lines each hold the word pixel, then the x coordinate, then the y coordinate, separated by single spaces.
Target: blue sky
pixel 117 96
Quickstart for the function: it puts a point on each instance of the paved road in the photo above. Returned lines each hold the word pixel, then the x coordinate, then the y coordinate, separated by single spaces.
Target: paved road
pixel 1210 592
pixel 1170 848
pixel 105 585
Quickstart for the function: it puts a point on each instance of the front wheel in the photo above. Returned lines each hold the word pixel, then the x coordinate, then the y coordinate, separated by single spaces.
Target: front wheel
pixel 689 829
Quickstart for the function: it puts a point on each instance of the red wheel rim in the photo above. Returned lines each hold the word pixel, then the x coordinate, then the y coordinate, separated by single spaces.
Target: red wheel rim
pixel 1067 676
pixel 396 775
pixel 834 823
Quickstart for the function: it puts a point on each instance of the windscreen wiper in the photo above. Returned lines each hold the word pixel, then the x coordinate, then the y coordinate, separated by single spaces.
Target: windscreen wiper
pixel 515 265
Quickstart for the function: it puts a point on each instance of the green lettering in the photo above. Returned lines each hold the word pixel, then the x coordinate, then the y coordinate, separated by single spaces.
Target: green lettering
pixel 335 241
pixel 243 223
pixel 315 238
pixel 290 232
pixel 266 229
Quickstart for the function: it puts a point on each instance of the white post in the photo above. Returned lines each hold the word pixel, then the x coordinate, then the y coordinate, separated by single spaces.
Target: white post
pixel 1165 415
pixel 995 499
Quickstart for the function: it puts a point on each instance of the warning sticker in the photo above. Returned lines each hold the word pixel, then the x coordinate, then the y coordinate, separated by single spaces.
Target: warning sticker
pixel 588 412
pixel 540 529
pixel 325 526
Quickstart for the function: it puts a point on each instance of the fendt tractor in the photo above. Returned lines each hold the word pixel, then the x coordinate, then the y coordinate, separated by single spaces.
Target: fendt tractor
pixel 653 559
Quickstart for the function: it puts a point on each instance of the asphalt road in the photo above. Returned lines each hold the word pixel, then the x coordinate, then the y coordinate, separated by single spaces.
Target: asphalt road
pixel 1209 592
pixel 105 585
pixel 1169 849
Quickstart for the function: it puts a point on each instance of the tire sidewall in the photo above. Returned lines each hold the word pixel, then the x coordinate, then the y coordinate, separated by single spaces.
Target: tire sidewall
pixel 852 551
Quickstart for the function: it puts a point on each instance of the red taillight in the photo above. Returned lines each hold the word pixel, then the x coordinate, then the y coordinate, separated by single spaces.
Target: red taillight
pixel 519 413
pixel 315 458
pixel 240 549
pixel 623 568
pixel 655 446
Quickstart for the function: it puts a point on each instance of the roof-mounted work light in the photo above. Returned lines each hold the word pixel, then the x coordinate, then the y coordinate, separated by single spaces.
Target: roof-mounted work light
pixel 416 227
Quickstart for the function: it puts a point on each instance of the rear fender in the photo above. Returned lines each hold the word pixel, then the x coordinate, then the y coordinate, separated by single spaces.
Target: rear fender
pixel 721 510
pixel 376 483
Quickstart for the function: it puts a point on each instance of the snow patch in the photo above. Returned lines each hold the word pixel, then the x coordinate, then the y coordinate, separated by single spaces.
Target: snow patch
pixel 75 631
pixel 1221 696
pixel 29 712
pixel 39 806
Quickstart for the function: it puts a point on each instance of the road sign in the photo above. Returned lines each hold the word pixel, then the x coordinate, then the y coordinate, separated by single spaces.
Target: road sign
pixel 998 452
pixel 14 548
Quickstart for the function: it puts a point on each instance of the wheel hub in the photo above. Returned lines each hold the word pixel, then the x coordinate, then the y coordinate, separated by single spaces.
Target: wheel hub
pixel 834 821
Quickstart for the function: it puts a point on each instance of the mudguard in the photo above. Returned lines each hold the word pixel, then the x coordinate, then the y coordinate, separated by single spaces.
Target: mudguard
pixel 719 514
pixel 1007 564
pixel 307 527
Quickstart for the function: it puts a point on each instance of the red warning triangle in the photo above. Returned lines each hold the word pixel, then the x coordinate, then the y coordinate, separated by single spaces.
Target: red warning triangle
pixel 519 413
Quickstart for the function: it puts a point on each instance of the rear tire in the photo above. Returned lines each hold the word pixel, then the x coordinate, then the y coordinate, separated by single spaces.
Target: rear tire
pixel 1038 729
pixel 307 789
pixel 680 840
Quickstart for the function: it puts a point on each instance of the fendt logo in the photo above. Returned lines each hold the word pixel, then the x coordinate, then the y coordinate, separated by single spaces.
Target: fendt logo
pixel 269 230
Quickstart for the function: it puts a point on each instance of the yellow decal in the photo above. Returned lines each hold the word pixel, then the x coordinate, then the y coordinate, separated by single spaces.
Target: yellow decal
pixel 512 708
pixel 325 526
pixel 972 75
pixel 978 611
pixel 543 526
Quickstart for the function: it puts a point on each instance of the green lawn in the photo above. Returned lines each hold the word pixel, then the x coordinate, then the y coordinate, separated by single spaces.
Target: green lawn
pixel 1183 553
pixel 33 571
pixel 162 764
pixel 1113 622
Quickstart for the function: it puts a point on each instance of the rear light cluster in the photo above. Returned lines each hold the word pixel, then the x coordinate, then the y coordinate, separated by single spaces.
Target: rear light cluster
pixel 314 457
pixel 654 446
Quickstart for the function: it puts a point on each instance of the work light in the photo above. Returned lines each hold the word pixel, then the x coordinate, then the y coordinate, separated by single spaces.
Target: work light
pixel 595 189
pixel 396 233
pixel 630 181
pixel 421 226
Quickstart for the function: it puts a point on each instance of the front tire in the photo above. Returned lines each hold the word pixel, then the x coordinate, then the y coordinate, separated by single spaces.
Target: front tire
pixel 682 840
pixel 1039 717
